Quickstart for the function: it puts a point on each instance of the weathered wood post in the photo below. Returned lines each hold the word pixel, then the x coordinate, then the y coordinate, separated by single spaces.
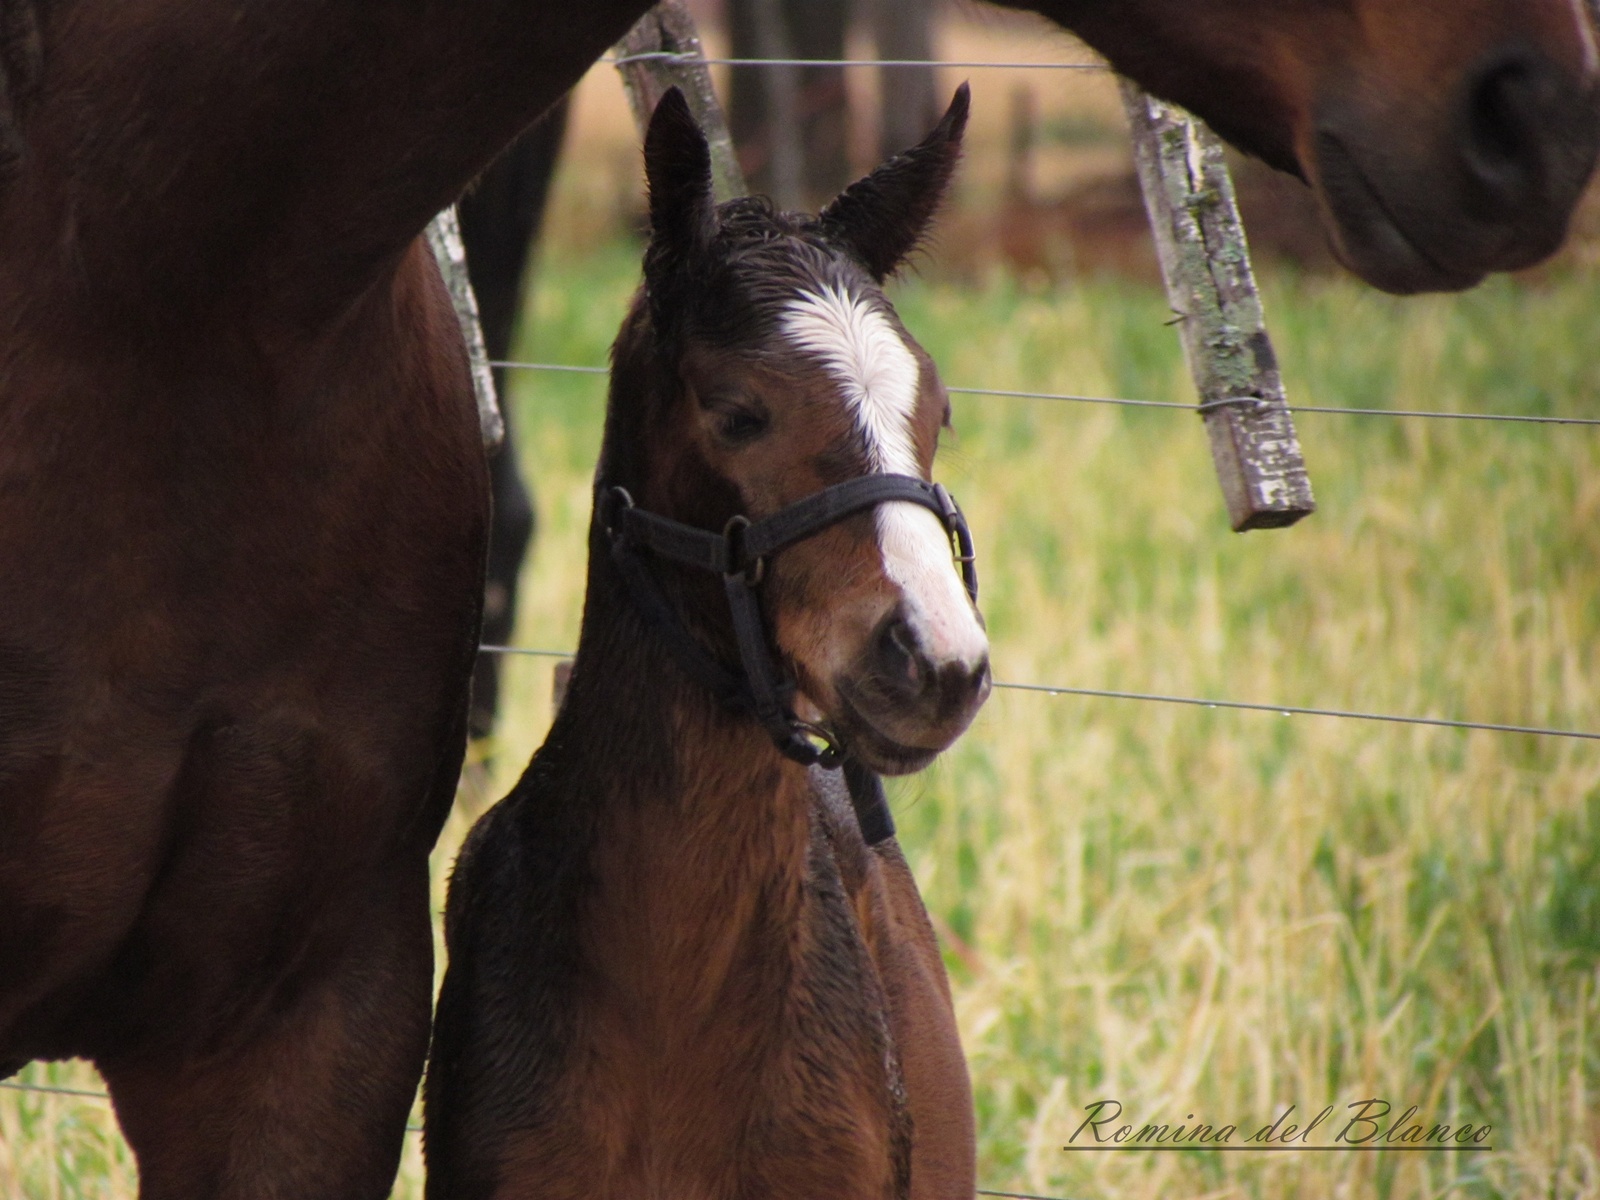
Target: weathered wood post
pixel 780 87
pixel 444 239
pixel 909 96
pixel 1210 285
pixel 662 51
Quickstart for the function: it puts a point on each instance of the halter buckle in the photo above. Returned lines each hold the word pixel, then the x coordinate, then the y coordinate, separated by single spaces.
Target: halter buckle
pixel 752 573
pixel 830 754
pixel 613 504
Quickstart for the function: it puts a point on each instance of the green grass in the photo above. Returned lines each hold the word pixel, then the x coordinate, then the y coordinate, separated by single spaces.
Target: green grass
pixel 1195 910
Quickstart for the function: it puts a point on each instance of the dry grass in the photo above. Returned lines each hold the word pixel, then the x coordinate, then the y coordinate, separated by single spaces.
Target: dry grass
pixel 1191 910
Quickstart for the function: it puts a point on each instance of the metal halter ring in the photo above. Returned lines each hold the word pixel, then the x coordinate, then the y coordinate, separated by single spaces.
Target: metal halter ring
pixel 617 500
pixel 831 754
pixel 955 525
pixel 733 535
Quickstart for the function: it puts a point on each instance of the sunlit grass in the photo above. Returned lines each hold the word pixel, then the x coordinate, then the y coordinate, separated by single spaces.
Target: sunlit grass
pixel 1194 910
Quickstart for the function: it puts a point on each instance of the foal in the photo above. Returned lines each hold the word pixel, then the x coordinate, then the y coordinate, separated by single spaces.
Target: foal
pixel 680 964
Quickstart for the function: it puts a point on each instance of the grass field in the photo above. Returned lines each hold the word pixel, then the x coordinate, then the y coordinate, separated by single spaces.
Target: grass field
pixel 1188 910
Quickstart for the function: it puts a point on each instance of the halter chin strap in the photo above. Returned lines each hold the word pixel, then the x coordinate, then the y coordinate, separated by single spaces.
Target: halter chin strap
pixel 739 554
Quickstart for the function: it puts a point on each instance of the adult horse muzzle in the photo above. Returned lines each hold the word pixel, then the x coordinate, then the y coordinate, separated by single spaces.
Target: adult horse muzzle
pixel 1492 189
pixel 739 554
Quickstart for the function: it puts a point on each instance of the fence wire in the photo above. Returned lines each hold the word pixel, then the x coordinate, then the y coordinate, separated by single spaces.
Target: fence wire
pixel 1329 409
pixel 84 1094
pixel 1283 710
pixel 668 56
pixel 50 1089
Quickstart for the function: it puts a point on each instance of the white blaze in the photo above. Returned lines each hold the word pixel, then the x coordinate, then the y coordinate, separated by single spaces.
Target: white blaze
pixel 879 376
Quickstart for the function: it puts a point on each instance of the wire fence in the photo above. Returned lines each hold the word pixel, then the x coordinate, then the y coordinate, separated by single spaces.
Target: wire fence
pixel 1286 710
pixel 1068 397
pixel 50 1089
pixel 667 56
pixel 1283 710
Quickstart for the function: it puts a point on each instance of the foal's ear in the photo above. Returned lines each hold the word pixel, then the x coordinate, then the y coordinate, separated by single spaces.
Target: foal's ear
pixel 882 218
pixel 677 166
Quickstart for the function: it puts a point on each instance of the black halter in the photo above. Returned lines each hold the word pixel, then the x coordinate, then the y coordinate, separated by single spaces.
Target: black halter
pixel 739 554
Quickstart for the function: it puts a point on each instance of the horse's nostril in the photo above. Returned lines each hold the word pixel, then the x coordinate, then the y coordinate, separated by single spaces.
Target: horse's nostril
pixel 1514 105
pixel 898 647
pixel 977 682
pixel 915 680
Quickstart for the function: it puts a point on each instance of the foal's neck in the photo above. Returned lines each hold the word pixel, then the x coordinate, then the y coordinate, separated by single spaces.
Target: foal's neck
pixel 658 735
pixel 703 830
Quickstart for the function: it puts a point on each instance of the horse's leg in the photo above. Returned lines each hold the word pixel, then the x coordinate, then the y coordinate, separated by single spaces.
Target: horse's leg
pixel 938 1090
pixel 500 221
pixel 313 1102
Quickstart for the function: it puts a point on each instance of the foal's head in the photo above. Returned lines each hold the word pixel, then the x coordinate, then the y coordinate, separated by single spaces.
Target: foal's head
pixel 761 364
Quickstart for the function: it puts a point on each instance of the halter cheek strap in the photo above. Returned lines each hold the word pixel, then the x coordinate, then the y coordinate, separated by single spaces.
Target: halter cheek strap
pixel 739 554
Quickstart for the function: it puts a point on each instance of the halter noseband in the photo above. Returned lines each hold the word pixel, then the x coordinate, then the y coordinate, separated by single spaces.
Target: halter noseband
pixel 739 554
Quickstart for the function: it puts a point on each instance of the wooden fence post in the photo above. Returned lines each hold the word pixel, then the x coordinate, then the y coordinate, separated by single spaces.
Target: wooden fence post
pixel 1210 285
pixel 780 85
pixel 909 103
pixel 662 51
pixel 444 239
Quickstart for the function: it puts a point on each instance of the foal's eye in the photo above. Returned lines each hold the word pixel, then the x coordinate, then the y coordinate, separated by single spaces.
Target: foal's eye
pixel 741 424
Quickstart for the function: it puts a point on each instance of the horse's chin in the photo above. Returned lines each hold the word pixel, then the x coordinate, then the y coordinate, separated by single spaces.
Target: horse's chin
pixel 1371 242
pixel 1426 220
pixel 885 756
pixel 886 745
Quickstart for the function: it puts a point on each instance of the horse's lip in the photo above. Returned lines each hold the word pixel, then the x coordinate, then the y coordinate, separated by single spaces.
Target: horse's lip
pixel 873 747
pixel 1368 237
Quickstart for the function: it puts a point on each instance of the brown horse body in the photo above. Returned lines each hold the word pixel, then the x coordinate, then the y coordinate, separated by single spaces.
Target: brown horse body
pixel 242 512
pixel 724 995
pixel 242 504
pixel 676 967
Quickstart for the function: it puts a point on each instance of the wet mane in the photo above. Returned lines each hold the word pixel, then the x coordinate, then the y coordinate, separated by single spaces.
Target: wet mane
pixel 731 292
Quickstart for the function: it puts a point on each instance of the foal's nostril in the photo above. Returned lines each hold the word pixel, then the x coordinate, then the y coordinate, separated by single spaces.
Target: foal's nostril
pixel 898 653
pixel 904 664
pixel 973 683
